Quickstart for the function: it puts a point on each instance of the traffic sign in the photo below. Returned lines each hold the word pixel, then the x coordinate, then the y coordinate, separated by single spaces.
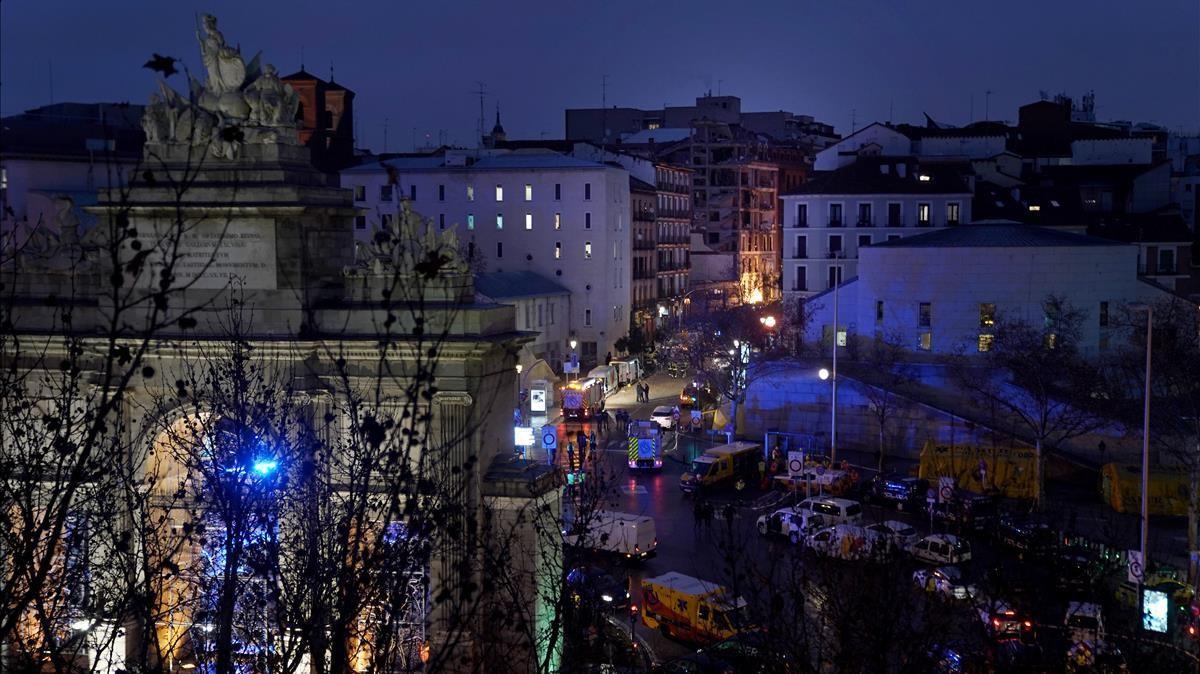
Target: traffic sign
pixel 1135 569
pixel 930 496
pixel 795 463
pixel 549 437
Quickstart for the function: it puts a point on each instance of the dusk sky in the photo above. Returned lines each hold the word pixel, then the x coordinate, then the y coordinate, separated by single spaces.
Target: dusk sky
pixel 416 63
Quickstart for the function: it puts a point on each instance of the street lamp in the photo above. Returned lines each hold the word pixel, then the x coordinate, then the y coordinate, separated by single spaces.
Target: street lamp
pixel 1146 437
pixel 768 321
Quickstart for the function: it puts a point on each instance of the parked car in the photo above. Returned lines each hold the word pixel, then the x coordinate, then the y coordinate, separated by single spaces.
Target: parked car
pixel 1084 621
pixel 966 511
pixel 792 524
pixel 847 542
pixel 830 481
pixel 836 510
pixel 901 534
pixel 594 587
pixel 1079 570
pixel 1027 537
pixel 1002 621
pixel 902 492
pixel 945 582
pixel 750 652
pixel 941 549
pixel 664 416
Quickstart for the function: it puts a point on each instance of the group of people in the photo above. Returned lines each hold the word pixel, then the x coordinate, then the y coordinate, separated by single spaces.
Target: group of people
pixel 703 511
pixel 643 392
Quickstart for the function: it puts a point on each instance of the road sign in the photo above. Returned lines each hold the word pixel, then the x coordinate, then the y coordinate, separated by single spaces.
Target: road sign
pixel 523 436
pixel 549 437
pixel 1135 568
pixel 945 488
pixel 795 463
pixel 930 496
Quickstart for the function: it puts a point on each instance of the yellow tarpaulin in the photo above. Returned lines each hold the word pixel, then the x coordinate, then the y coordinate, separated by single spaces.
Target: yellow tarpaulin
pixel 1007 470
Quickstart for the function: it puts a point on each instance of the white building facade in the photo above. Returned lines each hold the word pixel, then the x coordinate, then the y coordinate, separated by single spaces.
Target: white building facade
pixel 562 217
pixel 944 291
pixel 834 216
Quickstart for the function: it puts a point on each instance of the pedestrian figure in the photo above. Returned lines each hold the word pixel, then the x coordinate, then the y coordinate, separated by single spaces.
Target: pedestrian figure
pixel 697 515
pixel 728 514
pixel 708 515
pixel 647 389
pixel 592 440
pixel 570 456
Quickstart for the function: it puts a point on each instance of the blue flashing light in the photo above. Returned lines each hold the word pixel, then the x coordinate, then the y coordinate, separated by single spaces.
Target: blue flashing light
pixel 265 467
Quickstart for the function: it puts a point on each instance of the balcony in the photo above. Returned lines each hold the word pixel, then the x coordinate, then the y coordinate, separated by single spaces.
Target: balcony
pixel 835 254
pixel 644 244
pixel 924 223
pixel 865 223
pixel 643 216
pixel 834 222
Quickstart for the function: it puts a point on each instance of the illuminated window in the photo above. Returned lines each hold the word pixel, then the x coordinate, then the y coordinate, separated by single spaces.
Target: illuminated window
pixel 987 315
pixel 529 221
pixel 922 215
pixel 528 192
pixel 499 193
pixel 985 342
pixel 925 341
pixel 558 221
pixel 924 177
pixel 499 221
pixel 952 211
pixel 1034 208
pixel 841 337
pixel 470 193
pixel 470 221
pixel 558 250
pixel 587 250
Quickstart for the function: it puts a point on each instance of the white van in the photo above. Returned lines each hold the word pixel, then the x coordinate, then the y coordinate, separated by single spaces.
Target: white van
pixel 607 376
pixel 628 370
pixel 835 510
pixel 630 536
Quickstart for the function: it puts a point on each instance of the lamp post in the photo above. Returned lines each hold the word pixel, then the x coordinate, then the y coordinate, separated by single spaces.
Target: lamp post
pixel 837 281
pixel 1146 439
pixel 575 361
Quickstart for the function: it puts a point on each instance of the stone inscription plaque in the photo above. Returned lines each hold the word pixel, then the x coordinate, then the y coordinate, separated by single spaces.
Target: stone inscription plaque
pixel 215 255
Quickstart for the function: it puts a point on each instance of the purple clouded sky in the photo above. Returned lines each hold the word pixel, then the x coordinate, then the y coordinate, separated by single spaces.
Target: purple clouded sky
pixel 415 64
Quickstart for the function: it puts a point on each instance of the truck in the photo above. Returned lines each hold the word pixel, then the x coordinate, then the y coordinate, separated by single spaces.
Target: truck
pixel 580 399
pixel 1007 471
pixel 606 375
pixel 736 462
pixel 1121 489
pixel 645 445
pixel 694 610
pixel 628 370
pixel 631 537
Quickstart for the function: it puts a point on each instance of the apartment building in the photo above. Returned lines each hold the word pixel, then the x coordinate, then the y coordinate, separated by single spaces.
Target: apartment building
pixel 562 217
pixel 874 200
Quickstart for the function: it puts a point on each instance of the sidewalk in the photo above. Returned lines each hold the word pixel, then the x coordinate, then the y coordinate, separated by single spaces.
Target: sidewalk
pixel 664 390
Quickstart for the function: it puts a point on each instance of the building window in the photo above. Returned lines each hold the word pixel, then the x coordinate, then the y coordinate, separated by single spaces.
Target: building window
pixel 925 341
pixel 864 215
pixel 587 317
pixel 499 193
pixel 412 192
pixel 360 222
pixel 499 221
pixel 952 213
pixel 551 313
pixel 470 221
pixel 835 215
pixel 802 215
pixel 924 314
pixel 360 192
pixel 800 251
pixel 835 244
pixel 558 221
pixel 987 315
pixel 470 193
pixel 864 240
pixel 528 192
pixel 878 311
pixel 541 314
pixel 441 220
pixel 499 249
pixel 985 342
pixel 558 191
pixel 835 276
pixel 529 221
pixel 587 220
pixel 801 280
pixel 587 191
pixel 894 215
pixel 923 215
pixel 441 192
pixel 587 250
pixel 558 250
pixel 1166 260
pixel 385 192
pixel 1104 314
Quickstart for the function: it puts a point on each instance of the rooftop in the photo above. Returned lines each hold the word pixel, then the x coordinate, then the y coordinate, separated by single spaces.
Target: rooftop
pixel 505 161
pixel 80 130
pixel 996 236
pixel 880 175
pixel 502 285
pixel 660 135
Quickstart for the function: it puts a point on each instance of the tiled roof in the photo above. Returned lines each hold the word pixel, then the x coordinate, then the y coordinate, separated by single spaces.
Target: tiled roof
pixel 996 236
pixel 502 285
pixel 868 176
